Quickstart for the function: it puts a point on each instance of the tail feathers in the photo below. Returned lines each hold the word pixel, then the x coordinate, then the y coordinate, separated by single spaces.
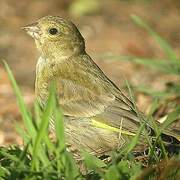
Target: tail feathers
pixel 170 138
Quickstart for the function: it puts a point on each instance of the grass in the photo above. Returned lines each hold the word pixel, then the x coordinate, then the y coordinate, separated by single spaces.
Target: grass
pixel 41 158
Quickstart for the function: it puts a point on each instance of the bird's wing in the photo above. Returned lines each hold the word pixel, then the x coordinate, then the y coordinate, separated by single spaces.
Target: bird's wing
pixel 77 101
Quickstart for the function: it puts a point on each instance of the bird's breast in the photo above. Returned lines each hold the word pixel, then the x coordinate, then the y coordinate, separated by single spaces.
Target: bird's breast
pixel 44 76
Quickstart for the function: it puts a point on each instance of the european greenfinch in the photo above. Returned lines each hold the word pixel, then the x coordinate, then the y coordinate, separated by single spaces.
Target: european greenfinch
pixel 98 117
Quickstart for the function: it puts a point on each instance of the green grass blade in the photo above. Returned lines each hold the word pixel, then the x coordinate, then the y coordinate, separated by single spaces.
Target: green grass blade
pixel 43 127
pixel 59 129
pixel 171 118
pixel 134 140
pixel 24 112
pixel 164 45
pixel 92 162
pixel 26 138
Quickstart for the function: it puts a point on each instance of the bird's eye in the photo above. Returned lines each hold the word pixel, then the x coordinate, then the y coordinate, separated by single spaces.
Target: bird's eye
pixel 53 31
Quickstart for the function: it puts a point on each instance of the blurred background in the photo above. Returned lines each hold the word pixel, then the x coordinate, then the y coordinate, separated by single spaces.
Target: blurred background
pixel 106 27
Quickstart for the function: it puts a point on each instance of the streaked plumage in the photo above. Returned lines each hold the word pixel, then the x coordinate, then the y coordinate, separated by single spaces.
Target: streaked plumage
pixel 85 94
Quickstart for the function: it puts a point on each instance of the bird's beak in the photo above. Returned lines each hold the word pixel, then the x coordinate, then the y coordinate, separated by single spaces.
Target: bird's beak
pixel 33 30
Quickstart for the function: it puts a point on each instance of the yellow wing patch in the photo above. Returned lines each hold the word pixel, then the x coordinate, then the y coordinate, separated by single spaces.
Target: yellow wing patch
pixel 110 128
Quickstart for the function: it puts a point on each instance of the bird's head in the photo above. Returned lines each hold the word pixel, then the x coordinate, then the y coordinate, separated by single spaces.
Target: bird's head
pixel 55 36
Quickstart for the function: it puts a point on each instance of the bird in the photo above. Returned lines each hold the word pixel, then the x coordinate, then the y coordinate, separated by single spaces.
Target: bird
pixel 98 116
